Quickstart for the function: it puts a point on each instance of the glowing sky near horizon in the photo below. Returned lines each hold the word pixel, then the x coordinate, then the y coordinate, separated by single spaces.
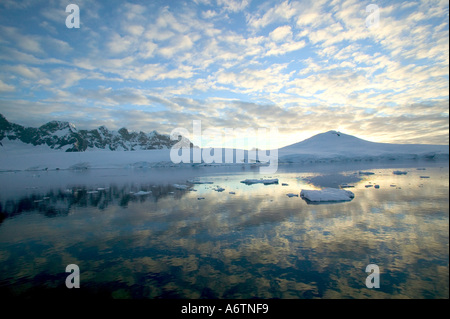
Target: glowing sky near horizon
pixel 304 67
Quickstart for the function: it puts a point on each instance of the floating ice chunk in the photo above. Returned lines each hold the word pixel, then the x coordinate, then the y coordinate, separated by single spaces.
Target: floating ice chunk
pixel 181 187
pixel 400 172
pixel 327 195
pixel 262 181
pixel 199 182
pixel 292 195
pixel 141 193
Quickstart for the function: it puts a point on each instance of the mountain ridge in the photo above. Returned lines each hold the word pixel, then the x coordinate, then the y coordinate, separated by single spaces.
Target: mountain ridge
pixel 64 136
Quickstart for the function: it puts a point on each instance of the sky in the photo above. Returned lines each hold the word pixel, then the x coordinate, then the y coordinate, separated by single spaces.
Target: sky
pixel 378 72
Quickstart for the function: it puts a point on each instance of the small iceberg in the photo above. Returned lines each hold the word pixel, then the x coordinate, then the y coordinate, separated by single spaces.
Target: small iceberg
pixel 366 173
pixel 180 187
pixel 400 172
pixel 262 181
pixel 141 193
pixel 327 195
pixel 199 182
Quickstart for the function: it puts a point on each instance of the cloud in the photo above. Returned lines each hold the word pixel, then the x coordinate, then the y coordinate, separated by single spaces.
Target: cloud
pixel 306 66
pixel 233 5
pixel 6 87
pixel 281 33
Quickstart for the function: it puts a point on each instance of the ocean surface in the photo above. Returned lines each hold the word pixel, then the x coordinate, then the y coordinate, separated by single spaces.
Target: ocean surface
pixel 136 233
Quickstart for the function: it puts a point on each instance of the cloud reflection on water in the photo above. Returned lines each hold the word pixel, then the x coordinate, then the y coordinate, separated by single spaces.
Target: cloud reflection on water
pixel 255 243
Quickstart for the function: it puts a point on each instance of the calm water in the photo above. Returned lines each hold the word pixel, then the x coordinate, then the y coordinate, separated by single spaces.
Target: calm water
pixel 257 242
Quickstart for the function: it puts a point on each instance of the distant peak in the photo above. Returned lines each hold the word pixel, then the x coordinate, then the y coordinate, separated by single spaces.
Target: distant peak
pixel 334 132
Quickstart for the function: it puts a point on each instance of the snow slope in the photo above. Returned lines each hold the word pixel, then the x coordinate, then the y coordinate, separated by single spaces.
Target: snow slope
pixel 337 146
pixel 326 147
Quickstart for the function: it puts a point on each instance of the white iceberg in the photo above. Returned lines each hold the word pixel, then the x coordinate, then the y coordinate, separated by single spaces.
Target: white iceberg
pixel 262 181
pixel 366 173
pixel 327 195
pixel 141 193
pixel 180 187
pixel 199 182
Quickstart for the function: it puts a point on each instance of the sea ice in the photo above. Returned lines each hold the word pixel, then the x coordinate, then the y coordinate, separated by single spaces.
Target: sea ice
pixel 141 193
pixel 263 181
pixel 181 187
pixel 199 182
pixel 366 173
pixel 327 195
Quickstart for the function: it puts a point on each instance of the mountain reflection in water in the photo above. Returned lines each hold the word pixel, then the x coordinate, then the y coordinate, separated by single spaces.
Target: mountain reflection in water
pixel 144 239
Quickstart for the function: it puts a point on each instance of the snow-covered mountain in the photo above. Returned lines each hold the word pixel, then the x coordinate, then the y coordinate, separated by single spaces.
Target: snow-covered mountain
pixel 65 136
pixel 334 145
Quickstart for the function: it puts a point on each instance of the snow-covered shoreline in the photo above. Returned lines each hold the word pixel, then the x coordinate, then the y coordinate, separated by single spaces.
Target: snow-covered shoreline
pixel 322 148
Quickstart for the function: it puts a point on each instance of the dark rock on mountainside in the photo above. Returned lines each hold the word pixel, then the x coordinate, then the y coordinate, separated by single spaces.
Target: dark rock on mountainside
pixel 65 136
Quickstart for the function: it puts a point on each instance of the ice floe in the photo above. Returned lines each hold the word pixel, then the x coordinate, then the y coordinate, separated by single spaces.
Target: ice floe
pixel 327 195
pixel 142 193
pixel 366 173
pixel 180 187
pixel 262 181
pixel 199 182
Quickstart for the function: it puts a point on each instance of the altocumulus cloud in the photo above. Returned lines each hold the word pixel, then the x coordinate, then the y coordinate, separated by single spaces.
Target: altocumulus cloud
pixel 301 66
